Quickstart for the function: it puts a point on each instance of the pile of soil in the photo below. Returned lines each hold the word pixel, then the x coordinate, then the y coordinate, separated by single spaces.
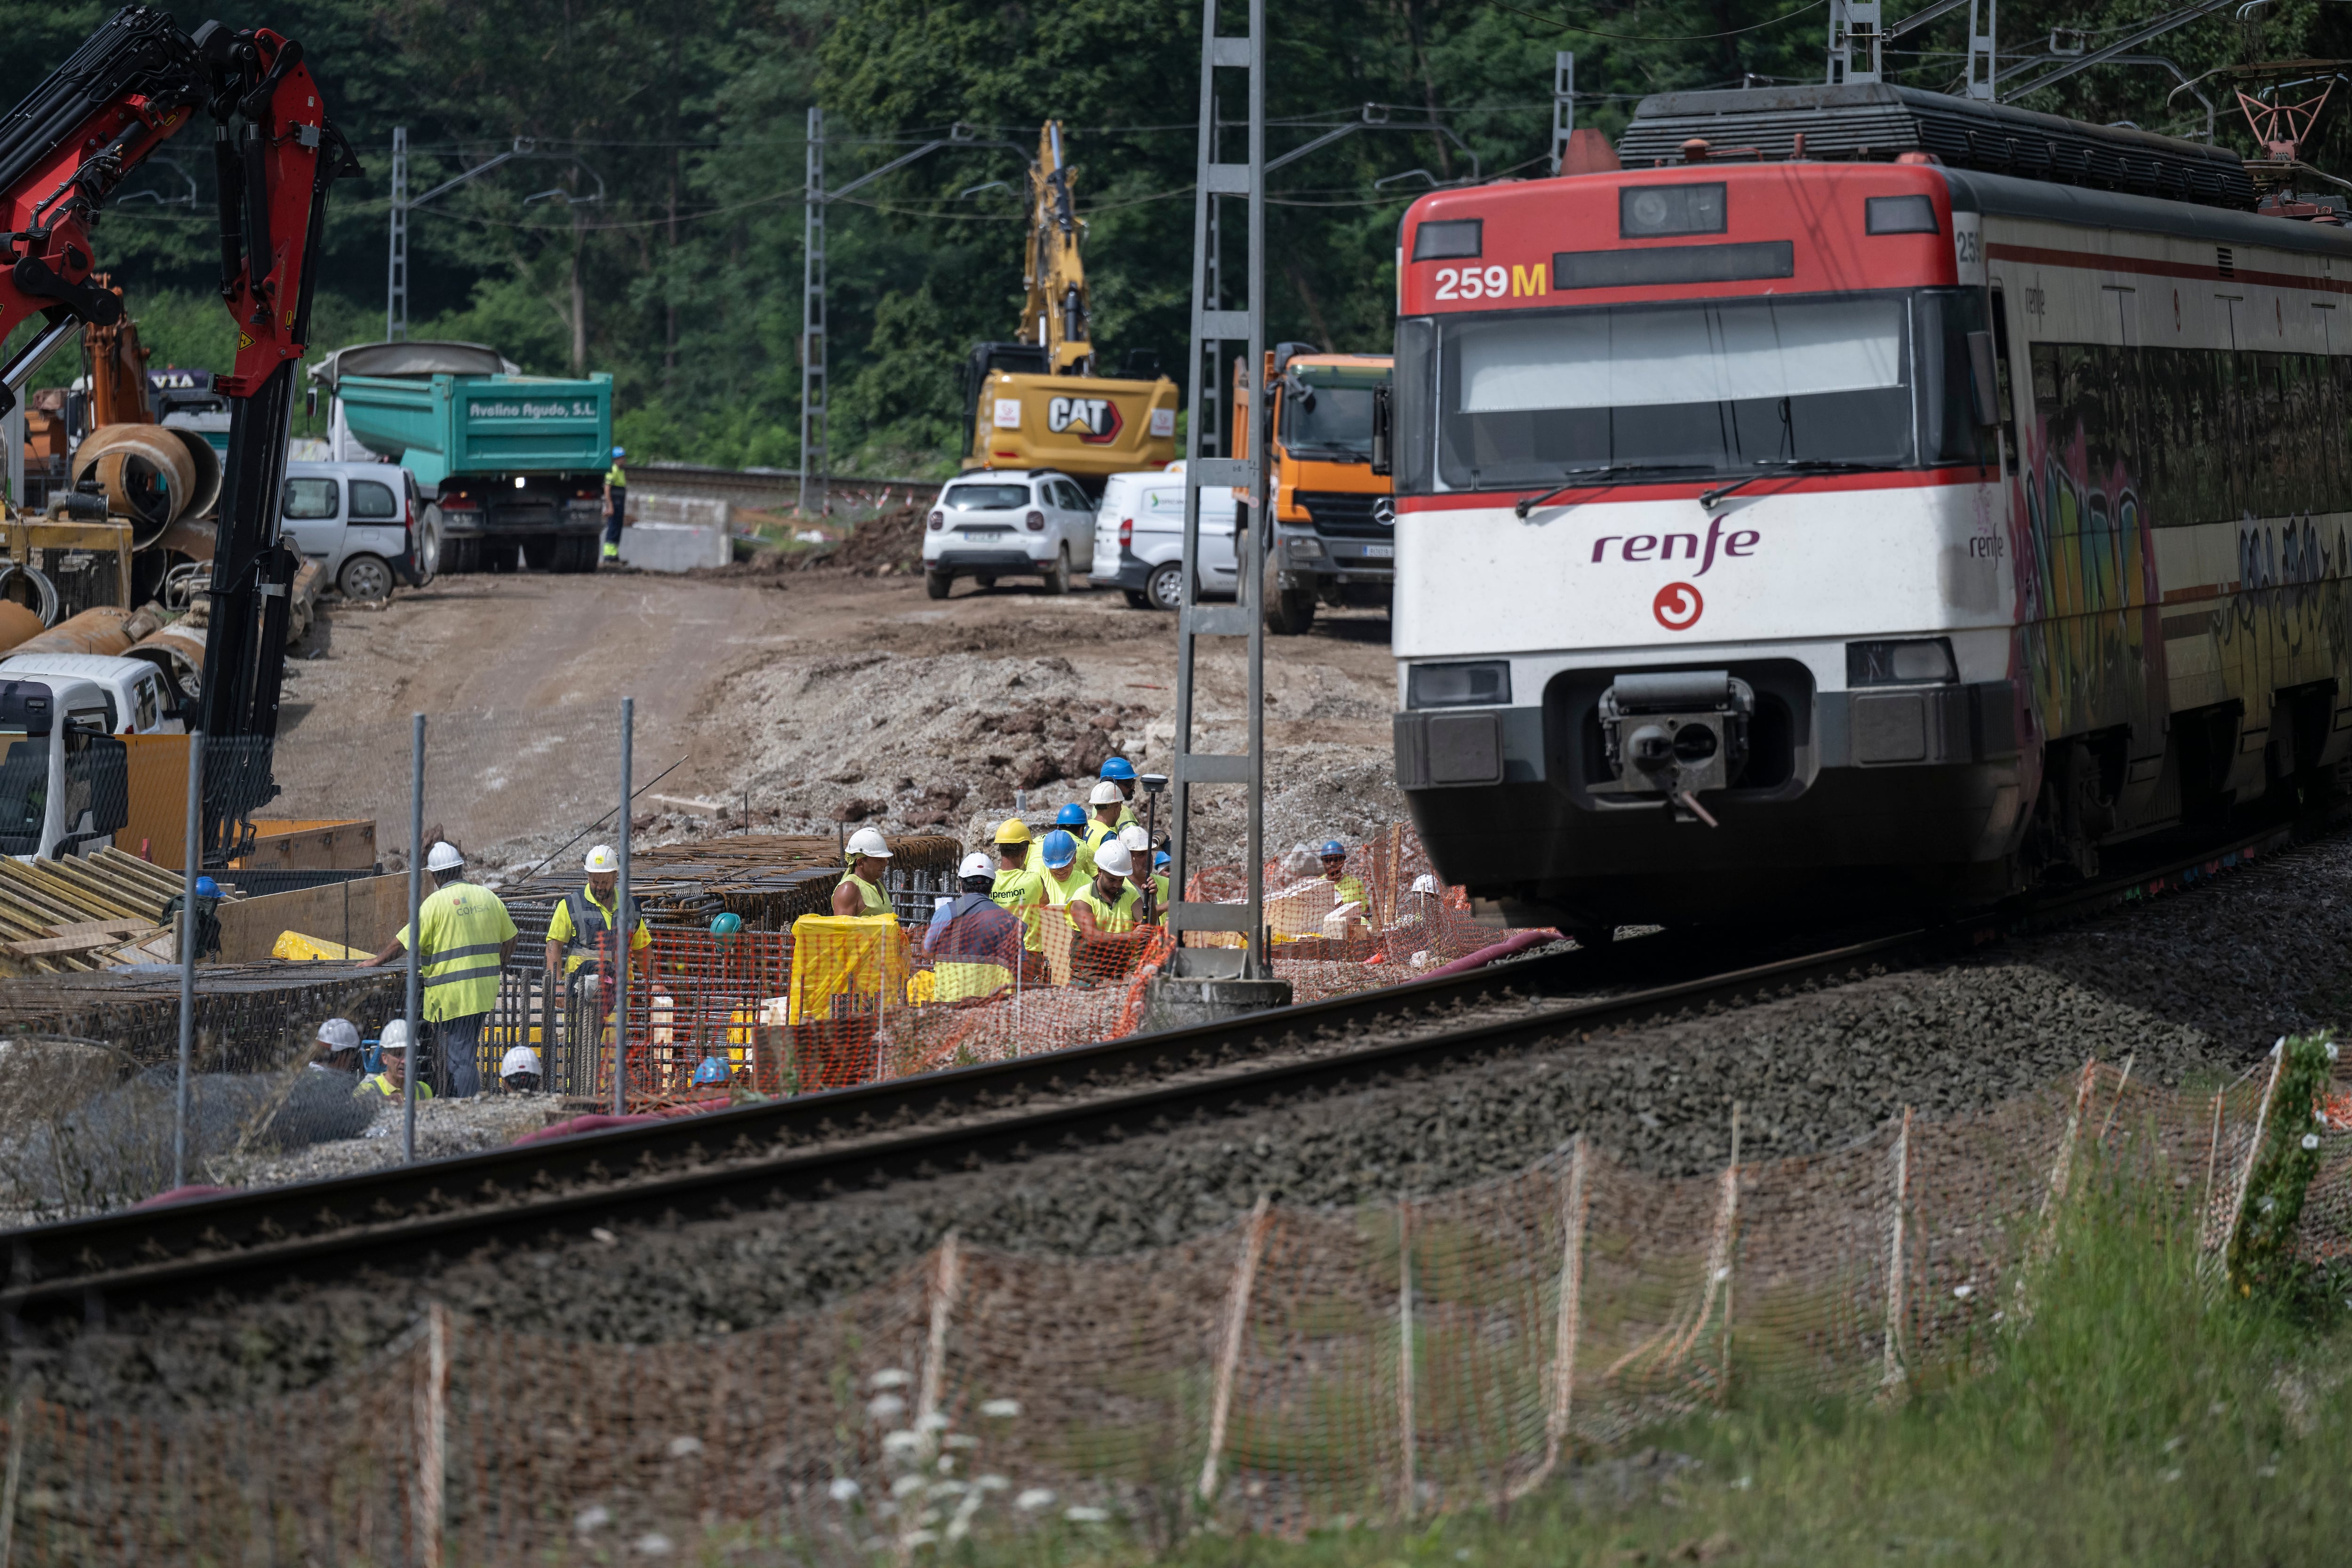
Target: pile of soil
pixel 887 544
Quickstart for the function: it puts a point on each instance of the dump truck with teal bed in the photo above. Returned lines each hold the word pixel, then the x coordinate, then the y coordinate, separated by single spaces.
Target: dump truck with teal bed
pixel 512 466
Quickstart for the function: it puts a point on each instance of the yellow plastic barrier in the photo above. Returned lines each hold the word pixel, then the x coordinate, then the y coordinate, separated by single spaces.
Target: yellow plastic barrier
pixel 295 945
pixel 861 956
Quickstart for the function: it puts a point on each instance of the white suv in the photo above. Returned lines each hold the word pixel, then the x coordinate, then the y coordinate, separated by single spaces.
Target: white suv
pixel 988 524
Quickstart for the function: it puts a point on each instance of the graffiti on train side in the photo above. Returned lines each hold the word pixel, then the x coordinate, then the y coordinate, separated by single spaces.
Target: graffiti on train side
pixel 2289 613
pixel 2086 591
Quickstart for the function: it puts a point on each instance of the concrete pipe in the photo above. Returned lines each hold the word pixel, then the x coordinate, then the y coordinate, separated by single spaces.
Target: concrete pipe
pixel 18 624
pixel 178 650
pixel 207 463
pixel 146 472
pixel 98 630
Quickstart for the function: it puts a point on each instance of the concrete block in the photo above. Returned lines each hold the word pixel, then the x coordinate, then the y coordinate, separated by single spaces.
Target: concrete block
pixel 675 546
pixel 1211 992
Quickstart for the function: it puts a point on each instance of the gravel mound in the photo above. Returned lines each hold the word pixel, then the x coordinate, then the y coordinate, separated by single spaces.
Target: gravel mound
pixel 2193 988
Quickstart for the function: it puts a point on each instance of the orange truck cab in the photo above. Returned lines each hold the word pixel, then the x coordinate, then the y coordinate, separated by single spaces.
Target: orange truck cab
pixel 1334 536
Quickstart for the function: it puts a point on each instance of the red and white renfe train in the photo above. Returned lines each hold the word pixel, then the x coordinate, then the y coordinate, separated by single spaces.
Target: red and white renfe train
pixel 1776 533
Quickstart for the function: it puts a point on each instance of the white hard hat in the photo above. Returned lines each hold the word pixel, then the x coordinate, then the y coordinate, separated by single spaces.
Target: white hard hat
pixel 978 864
pixel 1135 838
pixel 520 1058
pixel 1424 883
pixel 1105 794
pixel 868 842
pixel 395 1036
pixel 443 857
pixel 1111 855
pixel 339 1035
pixel 602 858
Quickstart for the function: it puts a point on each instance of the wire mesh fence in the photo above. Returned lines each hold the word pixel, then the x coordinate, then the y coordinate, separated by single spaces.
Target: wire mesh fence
pixel 1299 1368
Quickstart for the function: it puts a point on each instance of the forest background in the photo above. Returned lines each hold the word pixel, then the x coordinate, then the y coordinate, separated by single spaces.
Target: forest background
pixel 657 235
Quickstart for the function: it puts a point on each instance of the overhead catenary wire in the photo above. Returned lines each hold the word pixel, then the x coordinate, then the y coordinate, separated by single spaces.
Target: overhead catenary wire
pixel 1568 26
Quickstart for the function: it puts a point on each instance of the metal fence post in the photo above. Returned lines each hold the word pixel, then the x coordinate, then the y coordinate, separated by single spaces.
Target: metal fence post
pixel 416 939
pixel 187 955
pixel 624 928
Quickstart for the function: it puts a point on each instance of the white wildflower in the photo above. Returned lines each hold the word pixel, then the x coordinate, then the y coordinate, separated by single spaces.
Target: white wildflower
pixel 918 1537
pixel 901 1442
pixel 934 1422
pixel 884 1406
pixel 1034 1498
pixel 905 1485
pixel 949 1488
pixel 960 1440
pixel 1964 1291
pixel 992 1483
pixel 2311 1140
pixel 842 1489
pixel 652 1544
pixel 595 1516
pixel 1001 1409
pixel 889 1377
pixel 947 1464
pixel 681 1447
pixel 1083 1515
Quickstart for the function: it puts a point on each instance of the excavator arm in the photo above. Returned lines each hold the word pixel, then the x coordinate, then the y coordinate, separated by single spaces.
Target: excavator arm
pixel 132 86
pixel 1056 314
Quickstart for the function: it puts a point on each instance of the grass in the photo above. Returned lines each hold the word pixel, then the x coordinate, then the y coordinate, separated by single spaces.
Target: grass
pixel 2140 1414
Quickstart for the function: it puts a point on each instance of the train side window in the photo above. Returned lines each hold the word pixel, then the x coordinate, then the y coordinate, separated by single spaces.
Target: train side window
pixel 2001 380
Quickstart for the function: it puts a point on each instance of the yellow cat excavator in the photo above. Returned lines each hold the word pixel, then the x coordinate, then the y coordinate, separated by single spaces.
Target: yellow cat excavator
pixel 1038 401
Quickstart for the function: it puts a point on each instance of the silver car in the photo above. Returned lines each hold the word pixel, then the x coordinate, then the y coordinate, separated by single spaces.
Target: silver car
pixel 364 522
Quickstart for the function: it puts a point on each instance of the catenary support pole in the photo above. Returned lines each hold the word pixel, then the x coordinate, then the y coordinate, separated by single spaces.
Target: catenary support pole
pixel 411 1008
pixel 187 955
pixel 624 928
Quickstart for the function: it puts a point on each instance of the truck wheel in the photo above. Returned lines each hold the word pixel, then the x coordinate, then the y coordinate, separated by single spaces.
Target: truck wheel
pixel 428 547
pixel 462 555
pixel 547 554
pixel 365 577
pixel 500 557
pixel 939 584
pixel 1288 611
pixel 1057 576
pixel 1164 589
pixel 984 580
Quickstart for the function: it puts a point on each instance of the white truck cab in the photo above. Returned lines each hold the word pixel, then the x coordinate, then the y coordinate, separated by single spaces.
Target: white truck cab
pixel 65 781
pixel 141 698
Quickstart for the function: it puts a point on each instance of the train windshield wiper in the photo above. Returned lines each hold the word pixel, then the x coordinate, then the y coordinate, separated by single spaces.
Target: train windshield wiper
pixel 1787 466
pixel 1579 478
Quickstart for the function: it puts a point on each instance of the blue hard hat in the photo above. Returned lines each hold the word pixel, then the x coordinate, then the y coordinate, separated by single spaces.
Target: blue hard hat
pixel 726 925
pixel 1333 846
pixel 1071 815
pixel 1117 768
pixel 208 889
pixel 1158 859
pixel 1060 848
pixel 619 452
pixel 712 1071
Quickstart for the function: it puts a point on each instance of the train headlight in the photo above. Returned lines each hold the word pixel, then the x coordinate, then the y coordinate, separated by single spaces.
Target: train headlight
pixel 1915 662
pixel 1483 685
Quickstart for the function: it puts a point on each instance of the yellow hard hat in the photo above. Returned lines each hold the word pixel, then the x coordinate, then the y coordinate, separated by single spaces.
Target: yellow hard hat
pixel 1013 830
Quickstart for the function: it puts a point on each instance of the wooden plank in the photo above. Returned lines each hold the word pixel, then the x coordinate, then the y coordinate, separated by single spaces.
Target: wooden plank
pixel 102 927
pixel 64 946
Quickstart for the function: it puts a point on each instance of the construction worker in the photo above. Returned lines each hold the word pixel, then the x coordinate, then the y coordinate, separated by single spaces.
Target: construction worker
pixel 465 938
pixel 860 892
pixel 616 504
pixel 1349 890
pixel 1121 772
pixel 977 947
pixel 1108 903
pixel 391 1078
pixel 587 919
pixel 1160 895
pixel 1015 884
pixel 336 1048
pixel 1105 825
pixel 1138 851
pixel 519 1071
pixel 1060 879
pixel 1071 816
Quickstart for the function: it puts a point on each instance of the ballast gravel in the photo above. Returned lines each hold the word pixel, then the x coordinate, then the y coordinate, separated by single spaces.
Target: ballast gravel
pixel 2194 988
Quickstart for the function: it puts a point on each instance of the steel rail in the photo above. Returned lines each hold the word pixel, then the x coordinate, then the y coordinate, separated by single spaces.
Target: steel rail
pixel 822 1146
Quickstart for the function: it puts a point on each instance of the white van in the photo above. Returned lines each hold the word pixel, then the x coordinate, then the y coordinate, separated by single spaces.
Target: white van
pixel 364 522
pixel 140 699
pixel 65 783
pixel 1139 540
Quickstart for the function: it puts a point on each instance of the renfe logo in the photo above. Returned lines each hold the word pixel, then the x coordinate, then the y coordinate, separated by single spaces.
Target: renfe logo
pixel 1741 543
pixel 1678 607
pixel 1094 420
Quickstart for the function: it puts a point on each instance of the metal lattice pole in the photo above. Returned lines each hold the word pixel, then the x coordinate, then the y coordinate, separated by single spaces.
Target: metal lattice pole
pixel 1209 480
pixel 396 295
pixel 412 1007
pixel 1563 105
pixel 1854 41
pixel 623 927
pixel 810 495
pixel 193 858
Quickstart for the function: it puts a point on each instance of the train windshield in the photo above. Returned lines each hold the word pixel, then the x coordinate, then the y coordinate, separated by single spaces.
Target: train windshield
pixel 1626 392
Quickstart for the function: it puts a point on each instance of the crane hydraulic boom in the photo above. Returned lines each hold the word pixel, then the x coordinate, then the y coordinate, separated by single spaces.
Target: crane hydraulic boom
pixel 1056 317
pixel 134 85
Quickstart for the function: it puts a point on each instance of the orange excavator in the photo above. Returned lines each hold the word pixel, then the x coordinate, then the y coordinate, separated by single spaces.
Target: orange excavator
pixel 136 82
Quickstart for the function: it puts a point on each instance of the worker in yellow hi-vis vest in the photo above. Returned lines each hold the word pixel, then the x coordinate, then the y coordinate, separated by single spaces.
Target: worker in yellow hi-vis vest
pixel 465 938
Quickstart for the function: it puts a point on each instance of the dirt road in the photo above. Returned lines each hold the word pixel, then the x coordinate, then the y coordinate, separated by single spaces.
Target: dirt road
pixel 821 696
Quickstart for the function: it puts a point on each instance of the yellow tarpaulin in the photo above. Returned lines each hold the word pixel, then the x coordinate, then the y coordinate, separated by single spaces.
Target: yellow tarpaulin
pixel 294 944
pixel 862 957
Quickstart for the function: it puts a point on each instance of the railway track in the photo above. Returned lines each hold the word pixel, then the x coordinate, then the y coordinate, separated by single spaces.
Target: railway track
pixel 822 1146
